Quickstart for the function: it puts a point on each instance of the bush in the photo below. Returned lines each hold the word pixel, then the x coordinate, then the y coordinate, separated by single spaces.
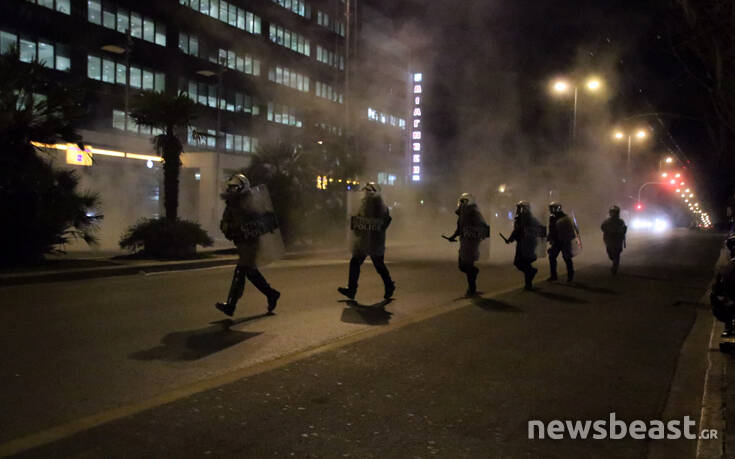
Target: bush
pixel 164 238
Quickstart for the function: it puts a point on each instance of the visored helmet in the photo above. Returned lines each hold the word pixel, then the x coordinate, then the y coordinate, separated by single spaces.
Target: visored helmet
pixel 555 207
pixel 372 190
pixel 238 183
pixel 523 207
pixel 465 199
pixel 614 211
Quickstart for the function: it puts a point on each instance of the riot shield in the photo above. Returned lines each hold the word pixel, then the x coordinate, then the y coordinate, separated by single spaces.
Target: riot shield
pixel 366 232
pixel 577 241
pixel 540 234
pixel 261 236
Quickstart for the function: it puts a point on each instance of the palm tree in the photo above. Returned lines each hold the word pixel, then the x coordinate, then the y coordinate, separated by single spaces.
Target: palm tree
pixel 166 113
pixel 41 204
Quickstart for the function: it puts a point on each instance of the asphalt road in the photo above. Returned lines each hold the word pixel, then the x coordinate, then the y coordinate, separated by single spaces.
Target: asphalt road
pixel 431 374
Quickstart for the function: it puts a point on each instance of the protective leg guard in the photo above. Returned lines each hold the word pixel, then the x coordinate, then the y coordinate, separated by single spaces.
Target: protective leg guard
pixel 236 289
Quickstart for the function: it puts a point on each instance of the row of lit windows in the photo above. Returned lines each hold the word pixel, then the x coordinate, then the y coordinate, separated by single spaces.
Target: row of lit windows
pixel 109 71
pixel 189 44
pixel 291 40
pixel 326 91
pixel 201 137
pixel 290 78
pixel 385 118
pixel 62 6
pixel 244 63
pixel 206 94
pixel 329 128
pixel 330 58
pixel 118 122
pixel 324 20
pixel 283 114
pixel 51 55
pixel 240 143
pixel 116 18
pixel 227 13
pixel 385 178
pixel 299 7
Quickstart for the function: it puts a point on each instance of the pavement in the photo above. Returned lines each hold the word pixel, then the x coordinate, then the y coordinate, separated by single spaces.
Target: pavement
pixel 140 365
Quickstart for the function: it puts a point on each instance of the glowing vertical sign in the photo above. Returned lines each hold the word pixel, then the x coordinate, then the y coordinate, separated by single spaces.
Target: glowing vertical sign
pixel 418 79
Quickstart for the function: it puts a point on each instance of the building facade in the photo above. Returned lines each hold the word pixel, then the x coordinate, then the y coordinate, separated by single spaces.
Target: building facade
pixel 259 71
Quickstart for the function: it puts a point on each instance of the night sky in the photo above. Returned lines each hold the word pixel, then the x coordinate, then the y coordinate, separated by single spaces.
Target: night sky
pixel 475 49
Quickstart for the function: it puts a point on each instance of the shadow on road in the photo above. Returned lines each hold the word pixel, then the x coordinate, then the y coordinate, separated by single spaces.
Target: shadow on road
pixel 558 297
pixel 374 314
pixel 233 322
pixel 494 305
pixel 588 288
pixel 196 344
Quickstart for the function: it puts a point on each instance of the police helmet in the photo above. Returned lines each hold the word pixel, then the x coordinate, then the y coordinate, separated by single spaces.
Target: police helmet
pixel 614 211
pixel 523 207
pixel 554 207
pixel 465 199
pixel 730 242
pixel 238 183
pixel 372 190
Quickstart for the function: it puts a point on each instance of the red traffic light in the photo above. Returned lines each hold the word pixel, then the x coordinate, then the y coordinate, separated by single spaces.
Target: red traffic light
pixel 639 206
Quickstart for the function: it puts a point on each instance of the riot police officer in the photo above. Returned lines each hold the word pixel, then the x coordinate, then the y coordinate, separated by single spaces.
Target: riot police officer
pixel 613 234
pixel 471 230
pixel 526 232
pixel 369 227
pixel 243 223
pixel 561 234
pixel 722 296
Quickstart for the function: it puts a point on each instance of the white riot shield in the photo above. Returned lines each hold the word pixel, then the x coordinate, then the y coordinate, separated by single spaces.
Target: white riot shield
pixel 577 242
pixel 541 251
pixel 354 201
pixel 260 228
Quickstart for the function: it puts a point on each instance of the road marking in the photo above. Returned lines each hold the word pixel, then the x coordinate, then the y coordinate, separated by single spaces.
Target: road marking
pixel 71 428
pixel 711 415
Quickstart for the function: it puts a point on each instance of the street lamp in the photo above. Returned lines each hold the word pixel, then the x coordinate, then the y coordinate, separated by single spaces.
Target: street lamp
pixel 562 86
pixel 640 135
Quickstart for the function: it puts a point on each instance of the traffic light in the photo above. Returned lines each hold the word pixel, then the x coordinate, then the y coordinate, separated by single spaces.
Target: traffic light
pixel 639 206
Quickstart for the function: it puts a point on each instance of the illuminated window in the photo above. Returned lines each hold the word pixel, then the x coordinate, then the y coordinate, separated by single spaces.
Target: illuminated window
pixel 416 169
pixel 417 77
pixel 110 16
pixel 417 100
pixel 417 89
pixel 416 135
pixel 416 178
pixel 416 124
pixel 417 158
pixel 416 146
pixel 416 111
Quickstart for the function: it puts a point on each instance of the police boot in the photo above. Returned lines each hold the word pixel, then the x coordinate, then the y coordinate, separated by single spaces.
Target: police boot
pixel 236 289
pixel 390 287
pixel 262 285
pixel 552 268
pixel 472 281
pixel 615 266
pixel 570 270
pixel 529 275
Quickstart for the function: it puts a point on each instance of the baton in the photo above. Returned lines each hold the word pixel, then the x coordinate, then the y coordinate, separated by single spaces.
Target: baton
pixel 504 238
pixel 448 238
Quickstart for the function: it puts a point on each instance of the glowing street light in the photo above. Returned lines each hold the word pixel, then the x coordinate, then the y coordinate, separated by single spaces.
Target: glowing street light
pixel 641 134
pixel 669 160
pixel 561 86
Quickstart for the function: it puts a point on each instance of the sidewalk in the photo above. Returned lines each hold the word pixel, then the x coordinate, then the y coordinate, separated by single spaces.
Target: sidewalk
pixel 94 264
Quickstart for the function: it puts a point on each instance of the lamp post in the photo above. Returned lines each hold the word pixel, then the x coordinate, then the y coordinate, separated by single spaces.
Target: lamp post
pixel 127 49
pixel 562 86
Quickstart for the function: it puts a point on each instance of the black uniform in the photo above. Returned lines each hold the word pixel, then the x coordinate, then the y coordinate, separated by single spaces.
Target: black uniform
pixel 722 296
pixel 526 231
pixel 373 220
pixel 471 230
pixel 561 235
pixel 613 234
pixel 239 224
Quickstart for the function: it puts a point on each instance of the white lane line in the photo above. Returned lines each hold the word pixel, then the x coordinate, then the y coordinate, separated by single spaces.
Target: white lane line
pixel 711 415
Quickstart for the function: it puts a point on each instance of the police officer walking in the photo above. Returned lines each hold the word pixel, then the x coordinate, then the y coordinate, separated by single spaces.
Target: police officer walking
pixel 613 234
pixel 561 234
pixel 369 227
pixel 526 232
pixel 471 230
pixel 241 223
